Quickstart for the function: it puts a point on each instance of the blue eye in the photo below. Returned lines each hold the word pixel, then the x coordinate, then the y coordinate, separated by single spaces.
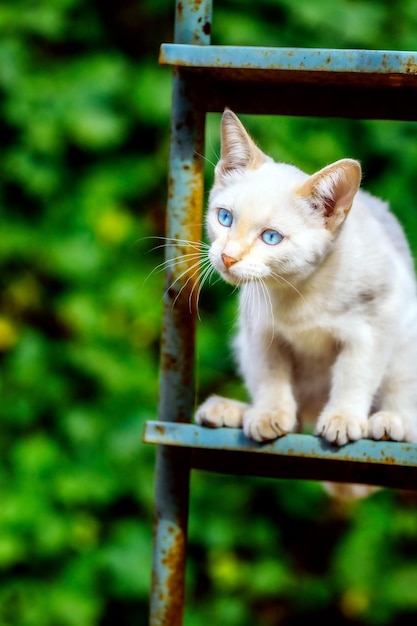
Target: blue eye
pixel 271 237
pixel 225 217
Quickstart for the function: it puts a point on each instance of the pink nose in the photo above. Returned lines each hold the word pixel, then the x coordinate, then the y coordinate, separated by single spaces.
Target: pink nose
pixel 228 260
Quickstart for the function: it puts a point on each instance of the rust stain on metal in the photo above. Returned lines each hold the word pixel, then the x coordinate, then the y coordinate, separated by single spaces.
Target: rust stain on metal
pixel 388 460
pixel 193 21
pixel 177 346
pixel 160 429
pixel 173 598
pixel 170 188
pixel 411 66
pixel 168 362
pixel 195 5
pixel 173 594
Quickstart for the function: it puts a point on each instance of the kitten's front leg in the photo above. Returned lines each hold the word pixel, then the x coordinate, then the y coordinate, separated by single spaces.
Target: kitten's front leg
pixel 272 412
pixel 356 376
pixel 268 373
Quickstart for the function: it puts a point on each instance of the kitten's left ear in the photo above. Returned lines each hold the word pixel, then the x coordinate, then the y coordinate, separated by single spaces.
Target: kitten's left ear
pixel 238 150
pixel 332 189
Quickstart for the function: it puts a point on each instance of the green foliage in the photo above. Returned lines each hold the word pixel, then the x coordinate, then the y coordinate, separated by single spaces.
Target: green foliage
pixel 84 116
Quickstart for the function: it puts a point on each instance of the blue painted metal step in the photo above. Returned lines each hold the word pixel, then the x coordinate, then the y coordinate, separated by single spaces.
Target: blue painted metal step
pixel 364 84
pixel 377 65
pixel 296 445
pixel 228 450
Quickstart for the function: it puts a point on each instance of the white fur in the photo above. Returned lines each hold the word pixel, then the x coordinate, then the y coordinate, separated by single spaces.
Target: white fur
pixel 328 317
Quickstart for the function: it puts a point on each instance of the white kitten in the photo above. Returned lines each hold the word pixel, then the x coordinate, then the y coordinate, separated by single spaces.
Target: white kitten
pixel 328 305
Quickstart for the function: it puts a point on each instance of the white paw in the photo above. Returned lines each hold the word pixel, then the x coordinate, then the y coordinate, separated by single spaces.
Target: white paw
pixel 387 425
pixel 217 411
pixel 264 425
pixel 340 429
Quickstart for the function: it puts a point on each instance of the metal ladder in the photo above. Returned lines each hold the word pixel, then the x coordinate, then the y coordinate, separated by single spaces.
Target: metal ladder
pixel 282 81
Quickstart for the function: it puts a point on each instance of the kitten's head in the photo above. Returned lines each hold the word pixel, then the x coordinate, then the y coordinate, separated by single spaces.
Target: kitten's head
pixel 268 219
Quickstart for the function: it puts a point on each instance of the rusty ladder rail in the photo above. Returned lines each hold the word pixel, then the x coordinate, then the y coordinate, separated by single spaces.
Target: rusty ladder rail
pixel 327 83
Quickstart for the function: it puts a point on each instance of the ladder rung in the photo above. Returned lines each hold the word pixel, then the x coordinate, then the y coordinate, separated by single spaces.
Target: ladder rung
pixel 295 64
pixel 229 451
pixel 297 445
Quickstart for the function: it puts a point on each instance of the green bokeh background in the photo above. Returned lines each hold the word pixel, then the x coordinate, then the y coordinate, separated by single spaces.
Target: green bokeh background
pixel 84 115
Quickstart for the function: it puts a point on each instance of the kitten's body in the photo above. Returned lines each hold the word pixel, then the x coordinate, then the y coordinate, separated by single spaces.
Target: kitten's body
pixel 328 305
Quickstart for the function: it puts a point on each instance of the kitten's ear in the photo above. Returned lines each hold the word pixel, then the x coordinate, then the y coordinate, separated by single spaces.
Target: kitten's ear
pixel 238 150
pixel 332 189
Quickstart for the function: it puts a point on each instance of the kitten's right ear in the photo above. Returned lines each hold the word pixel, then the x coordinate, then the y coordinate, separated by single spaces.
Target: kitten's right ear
pixel 238 151
pixel 332 189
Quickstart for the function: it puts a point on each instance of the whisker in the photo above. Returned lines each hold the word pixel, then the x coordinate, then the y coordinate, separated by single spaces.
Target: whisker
pixel 251 301
pixel 199 250
pixel 254 290
pixel 252 296
pixel 242 299
pixel 173 242
pixel 198 272
pixel 248 299
pixel 210 142
pixel 268 302
pixel 194 267
pixel 202 156
pixel 170 241
pixel 258 300
pixel 171 263
pixel 186 271
pixel 287 282
pixel 207 271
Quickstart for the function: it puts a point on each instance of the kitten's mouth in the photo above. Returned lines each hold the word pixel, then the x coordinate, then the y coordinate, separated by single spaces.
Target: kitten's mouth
pixel 231 273
pixel 236 280
pixel 230 278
